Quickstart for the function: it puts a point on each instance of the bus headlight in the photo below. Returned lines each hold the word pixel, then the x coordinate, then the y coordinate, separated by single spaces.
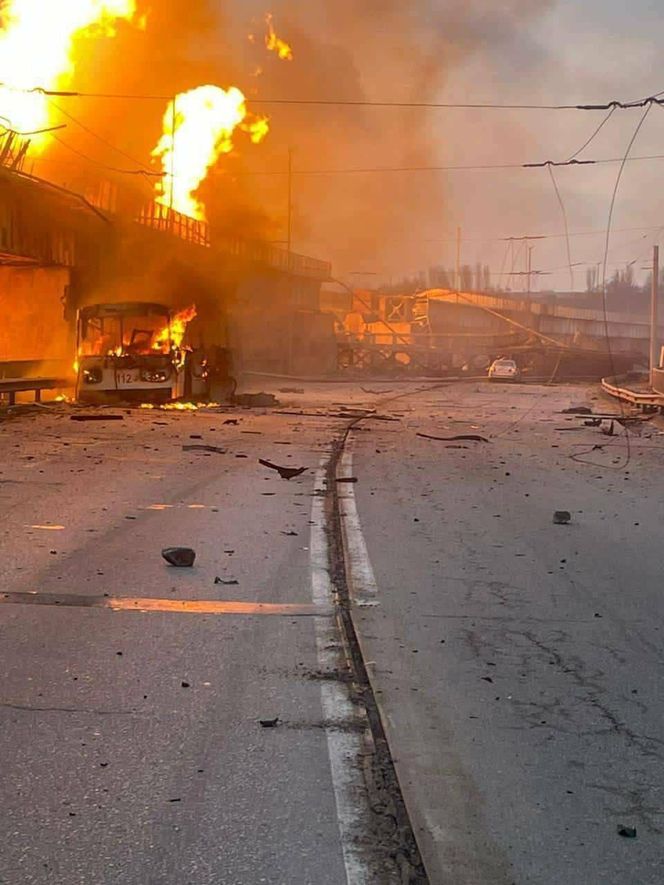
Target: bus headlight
pixel 155 376
pixel 92 375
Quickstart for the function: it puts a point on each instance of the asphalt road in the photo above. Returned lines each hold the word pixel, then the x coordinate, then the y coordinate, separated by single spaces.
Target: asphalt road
pixel 131 745
pixel 516 663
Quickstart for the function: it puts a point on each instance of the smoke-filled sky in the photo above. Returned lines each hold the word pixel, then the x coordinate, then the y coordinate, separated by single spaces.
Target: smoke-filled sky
pixel 397 223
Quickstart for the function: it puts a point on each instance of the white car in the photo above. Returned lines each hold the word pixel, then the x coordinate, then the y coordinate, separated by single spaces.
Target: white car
pixel 504 370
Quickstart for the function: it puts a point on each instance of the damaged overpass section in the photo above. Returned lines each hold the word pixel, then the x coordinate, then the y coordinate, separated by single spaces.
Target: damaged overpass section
pixel 441 332
pixel 74 266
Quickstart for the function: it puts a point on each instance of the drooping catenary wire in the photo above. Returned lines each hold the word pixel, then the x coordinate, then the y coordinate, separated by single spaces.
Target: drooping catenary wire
pixel 566 225
pixel 594 135
pixel 99 137
pixel 635 135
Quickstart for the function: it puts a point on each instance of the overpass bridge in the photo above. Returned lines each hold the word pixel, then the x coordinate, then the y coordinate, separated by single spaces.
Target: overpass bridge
pixel 463 314
pixel 441 329
pixel 60 249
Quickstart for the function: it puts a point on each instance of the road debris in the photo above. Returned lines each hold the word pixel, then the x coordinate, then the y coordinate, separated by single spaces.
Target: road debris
pixel 232 421
pixel 374 392
pixel 230 583
pixel 464 437
pixel 96 418
pixel 204 448
pixel 562 517
pixel 365 414
pixel 626 832
pixel 180 557
pixel 284 472
pixel 577 410
pixel 269 723
pixel 351 479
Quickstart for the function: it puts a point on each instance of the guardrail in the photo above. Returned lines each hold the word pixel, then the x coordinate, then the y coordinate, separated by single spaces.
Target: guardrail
pixel 647 401
pixel 9 387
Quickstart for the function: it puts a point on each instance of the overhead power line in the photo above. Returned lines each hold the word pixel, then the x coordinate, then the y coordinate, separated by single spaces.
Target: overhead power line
pixel 101 139
pixel 609 224
pixel 613 104
pixel 370 170
pixel 563 212
pixel 594 135
pixel 106 166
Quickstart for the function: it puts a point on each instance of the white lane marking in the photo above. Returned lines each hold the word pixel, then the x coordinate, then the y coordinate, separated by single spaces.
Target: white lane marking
pixel 361 574
pixel 345 747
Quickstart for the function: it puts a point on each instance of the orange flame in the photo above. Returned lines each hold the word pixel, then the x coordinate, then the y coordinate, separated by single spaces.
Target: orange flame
pixel 173 335
pixel 275 43
pixel 37 42
pixel 198 128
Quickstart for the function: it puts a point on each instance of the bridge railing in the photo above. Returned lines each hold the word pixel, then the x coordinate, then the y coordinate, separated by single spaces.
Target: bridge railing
pixel 166 220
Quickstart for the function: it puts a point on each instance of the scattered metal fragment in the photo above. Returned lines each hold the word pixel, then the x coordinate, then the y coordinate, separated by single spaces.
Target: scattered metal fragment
pixel 626 832
pixel 284 472
pixel 269 723
pixel 180 557
pixel 96 418
pixel 232 421
pixel 464 437
pixel 230 583
pixel 290 534
pixel 203 448
pixel 366 414
pixel 562 517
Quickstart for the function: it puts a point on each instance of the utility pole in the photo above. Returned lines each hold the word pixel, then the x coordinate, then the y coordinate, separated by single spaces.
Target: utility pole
pixel 457 274
pixel 529 267
pixel 291 322
pixel 290 202
pixel 654 298
pixel 174 119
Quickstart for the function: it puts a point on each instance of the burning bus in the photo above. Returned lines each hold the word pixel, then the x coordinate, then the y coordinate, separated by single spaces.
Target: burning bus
pixel 131 351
